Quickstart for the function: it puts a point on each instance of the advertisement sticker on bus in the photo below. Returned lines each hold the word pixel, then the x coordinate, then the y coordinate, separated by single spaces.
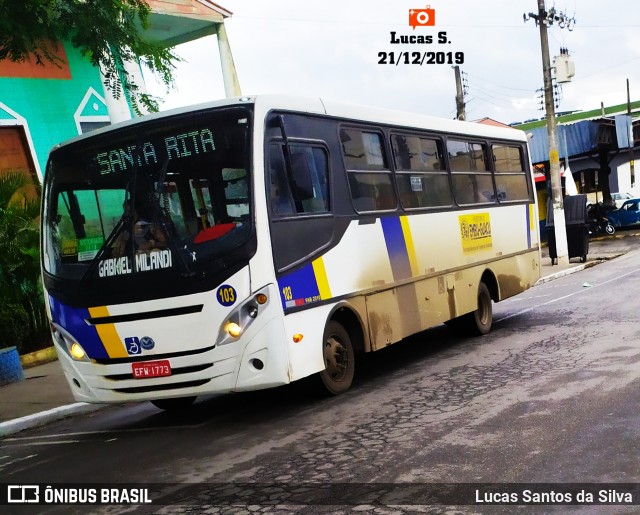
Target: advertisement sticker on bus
pixel 69 247
pixel 88 248
pixel 475 232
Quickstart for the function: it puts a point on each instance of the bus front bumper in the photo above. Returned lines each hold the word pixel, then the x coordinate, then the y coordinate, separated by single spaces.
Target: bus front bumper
pixel 260 363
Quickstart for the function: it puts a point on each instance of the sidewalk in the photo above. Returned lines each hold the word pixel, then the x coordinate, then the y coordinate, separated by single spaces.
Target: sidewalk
pixel 44 396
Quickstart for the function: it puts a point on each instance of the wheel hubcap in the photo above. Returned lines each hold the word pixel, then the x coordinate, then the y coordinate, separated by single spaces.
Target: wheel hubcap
pixel 335 358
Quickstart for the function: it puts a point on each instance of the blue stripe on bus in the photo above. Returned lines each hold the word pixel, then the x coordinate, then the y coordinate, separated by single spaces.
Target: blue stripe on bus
pixel 396 247
pixel 73 320
pixel 299 287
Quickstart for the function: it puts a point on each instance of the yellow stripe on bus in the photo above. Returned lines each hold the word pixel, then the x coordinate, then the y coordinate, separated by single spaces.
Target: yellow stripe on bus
pixel 532 218
pixel 108 334
pixel 411 250
pixel 321 279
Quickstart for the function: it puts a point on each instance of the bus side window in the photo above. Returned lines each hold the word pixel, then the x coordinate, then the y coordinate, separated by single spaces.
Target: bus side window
pixel 306 190
pixel 301 186
pixel 511 176
pixel 279 196
pixel 472 178
pixel 422 180
pixel 310 174
pixel 370 179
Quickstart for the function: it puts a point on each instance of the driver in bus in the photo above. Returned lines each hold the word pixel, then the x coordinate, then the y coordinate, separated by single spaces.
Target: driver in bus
pixel 147 236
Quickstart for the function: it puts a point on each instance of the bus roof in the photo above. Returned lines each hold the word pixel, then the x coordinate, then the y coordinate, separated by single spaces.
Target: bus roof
pixel 316 105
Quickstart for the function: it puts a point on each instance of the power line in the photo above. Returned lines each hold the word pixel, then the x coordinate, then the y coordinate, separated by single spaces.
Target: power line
pixel 482 79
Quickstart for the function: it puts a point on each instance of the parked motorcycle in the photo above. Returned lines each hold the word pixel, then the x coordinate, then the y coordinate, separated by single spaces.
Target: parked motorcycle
pixel 597 222
pixel 601 226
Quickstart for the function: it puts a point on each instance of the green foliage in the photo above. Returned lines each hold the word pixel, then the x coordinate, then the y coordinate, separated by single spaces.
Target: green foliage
pixel 23 320
pixel 107 32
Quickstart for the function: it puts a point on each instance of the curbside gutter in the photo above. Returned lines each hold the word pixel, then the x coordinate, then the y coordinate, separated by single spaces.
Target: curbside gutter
pixel 42 418
pixel 568 271
pixel 45 417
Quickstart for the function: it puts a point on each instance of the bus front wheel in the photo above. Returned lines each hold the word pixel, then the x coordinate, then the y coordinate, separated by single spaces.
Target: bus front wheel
pixel 339 359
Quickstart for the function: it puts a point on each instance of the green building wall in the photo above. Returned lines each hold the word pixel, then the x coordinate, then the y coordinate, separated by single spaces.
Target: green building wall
pixel 49 105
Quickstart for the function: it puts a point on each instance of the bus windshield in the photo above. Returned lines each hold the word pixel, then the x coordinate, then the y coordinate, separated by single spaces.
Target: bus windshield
pixel 158 200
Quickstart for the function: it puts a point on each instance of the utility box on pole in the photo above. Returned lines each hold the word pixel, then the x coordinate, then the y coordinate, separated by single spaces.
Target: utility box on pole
pixel 565 68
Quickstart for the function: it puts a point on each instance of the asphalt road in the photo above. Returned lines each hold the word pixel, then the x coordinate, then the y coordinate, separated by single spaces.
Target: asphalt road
pixel 549 396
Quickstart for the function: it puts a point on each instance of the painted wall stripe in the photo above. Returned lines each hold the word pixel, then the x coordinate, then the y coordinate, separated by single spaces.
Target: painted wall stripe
pixel 411 250
pixel 108 334
pixel 321 278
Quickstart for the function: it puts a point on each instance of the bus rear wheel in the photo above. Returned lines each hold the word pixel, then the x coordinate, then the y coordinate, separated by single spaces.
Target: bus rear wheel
pixel 176 404
pixel 339 359
pixel 477 322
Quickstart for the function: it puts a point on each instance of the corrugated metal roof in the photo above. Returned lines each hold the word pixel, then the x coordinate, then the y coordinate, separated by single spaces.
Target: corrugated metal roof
pixel 573 139
pixel 623 130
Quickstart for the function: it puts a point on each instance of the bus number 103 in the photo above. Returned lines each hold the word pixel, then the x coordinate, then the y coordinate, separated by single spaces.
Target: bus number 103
pixel 227 295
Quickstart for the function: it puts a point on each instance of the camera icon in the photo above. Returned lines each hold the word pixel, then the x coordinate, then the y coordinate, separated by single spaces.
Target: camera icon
pixel 422 17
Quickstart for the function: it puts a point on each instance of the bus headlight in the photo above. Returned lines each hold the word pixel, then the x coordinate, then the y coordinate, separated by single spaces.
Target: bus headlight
pixel 233 329
pixel 242 317
pixel 68 343
pixel 77 352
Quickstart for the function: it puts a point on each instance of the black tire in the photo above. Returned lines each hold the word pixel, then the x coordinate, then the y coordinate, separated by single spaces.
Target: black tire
pixel 176 404
pixel 609 228
pixel 339 359
pixel 477 322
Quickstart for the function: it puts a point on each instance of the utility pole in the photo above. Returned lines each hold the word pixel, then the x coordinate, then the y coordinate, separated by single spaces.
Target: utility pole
pixel 460 114
pixel 544 19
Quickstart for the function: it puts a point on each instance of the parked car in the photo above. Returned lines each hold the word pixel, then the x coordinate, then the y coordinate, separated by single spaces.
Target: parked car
pixel 628 214
pixel 619 198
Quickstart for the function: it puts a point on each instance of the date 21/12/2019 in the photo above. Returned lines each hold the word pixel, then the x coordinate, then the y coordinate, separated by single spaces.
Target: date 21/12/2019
pixel 420 58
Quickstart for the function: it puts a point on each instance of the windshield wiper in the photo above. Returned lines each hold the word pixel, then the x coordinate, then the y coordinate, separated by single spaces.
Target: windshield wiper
pixel 117 230
pixel 159 216
pixel 127 218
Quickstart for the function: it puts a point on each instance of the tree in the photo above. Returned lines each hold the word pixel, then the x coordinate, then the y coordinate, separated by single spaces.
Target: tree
pixel 23 319
pixel 107 32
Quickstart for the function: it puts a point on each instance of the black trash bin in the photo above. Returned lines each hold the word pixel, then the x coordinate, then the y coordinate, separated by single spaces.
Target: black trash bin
pixel 575 216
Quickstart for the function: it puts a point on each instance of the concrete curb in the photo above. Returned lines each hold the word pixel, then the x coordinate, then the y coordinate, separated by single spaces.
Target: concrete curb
pixel 575 269
pixel 45 417
pixel 39 357
pixel 562 273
